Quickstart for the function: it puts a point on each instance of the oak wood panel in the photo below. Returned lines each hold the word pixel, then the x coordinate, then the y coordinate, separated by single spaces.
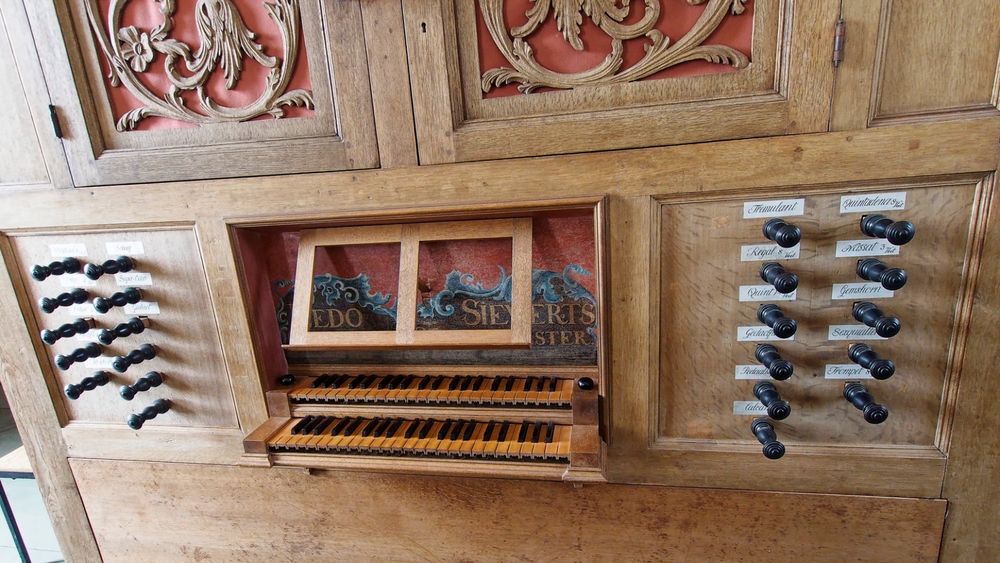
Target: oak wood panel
pixel 391 102
pixel 701 274
pixel 53 169
pixel 938 57
pixel 19 151
pixel 195 378
pixel 611 116
pixel 288 515
pixel 340 135
pixel 971 531
pixel 37 419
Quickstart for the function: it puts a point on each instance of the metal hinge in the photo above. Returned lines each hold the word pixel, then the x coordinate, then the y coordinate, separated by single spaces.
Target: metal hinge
pixel 56 127
pixel 838 42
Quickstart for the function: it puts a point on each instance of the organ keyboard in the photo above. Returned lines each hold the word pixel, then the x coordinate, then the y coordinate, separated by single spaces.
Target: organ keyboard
pixel 501 420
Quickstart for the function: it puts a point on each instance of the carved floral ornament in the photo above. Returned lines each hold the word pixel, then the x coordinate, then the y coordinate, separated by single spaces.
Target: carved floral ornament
pixel 225 42
pixel 608 15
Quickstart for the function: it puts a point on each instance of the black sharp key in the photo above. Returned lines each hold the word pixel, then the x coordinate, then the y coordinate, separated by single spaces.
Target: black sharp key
pixel 510 384
pixel 407 381
pixel 536 434
pixel 453 384
pixel 524 431
pixel 426 428
pixel 495 385
pixel 383 429
pixel 327 380
pixel 489 431
pixel 394 427
pixel 318 381
pixel 444 429
pixel 340 426
pixel 540 384
pixel 353 427
pixel 412 429
pixel 436 383
pixel 367 381
pixel 549 431
pixel 384 383
pixel 478 383
pixel 466 382
pixel 397 382
pixel 308 428
pixel 527 383
pixel 327 421
pixel 503 431
pixel 552 384
pixel 456 430
pixel 371 427
pixel 424 382
pixel 353 382
pixel 301 424
pixel 335 382
pixel 469 430
pixel 388 382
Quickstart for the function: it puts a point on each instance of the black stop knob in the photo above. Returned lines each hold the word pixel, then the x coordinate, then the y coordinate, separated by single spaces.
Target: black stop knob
pixel 880 226
pixel 159 406
pixel 91 350
pixel 774 317
pixel 866 312
pixel 873 269
pixel 585 383
pixel 134 325
pixel 768 395
pixel 58 268
pixel 50 304
pixel 765 434
pixel 776 275
pixel 862 400
pixel 137 356
pixel 778 368
pixel 144 383
pixel 864 356
pixel 89 383
pixel 79 326
pixel 286 379
pixel 786 235
pixel 128 296
pixel 120 264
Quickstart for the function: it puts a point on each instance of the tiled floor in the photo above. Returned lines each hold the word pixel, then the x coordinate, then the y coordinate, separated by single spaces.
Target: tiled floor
pixel 26 502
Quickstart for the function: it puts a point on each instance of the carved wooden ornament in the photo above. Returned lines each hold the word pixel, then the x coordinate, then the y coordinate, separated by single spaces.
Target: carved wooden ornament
pixel 607 15
pixel 225 41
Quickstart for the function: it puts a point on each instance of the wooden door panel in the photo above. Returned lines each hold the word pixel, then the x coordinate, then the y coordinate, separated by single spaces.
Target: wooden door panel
pixel 168 92
pixel 912 61
pixel 495 79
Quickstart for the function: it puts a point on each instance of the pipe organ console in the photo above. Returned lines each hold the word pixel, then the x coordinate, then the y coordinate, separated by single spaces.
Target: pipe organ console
pixel 493 280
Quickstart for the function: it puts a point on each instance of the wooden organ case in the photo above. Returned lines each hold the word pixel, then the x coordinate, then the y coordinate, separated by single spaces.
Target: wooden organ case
pixel 468 347
pixel 685 280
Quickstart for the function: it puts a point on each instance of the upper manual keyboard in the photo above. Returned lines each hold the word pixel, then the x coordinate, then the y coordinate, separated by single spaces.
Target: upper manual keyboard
pixel 469 390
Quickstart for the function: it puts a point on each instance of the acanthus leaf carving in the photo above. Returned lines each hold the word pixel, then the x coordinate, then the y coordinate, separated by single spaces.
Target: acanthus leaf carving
pixel 225 44
pixel 660 52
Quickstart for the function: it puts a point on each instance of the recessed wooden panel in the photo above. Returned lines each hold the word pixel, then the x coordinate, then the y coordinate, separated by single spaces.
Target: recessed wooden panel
pixel 20 155
pixel 700 279
pixel 644 74
pixel 177 92
pixel 182 512
pixel 184 331
pixel 938 57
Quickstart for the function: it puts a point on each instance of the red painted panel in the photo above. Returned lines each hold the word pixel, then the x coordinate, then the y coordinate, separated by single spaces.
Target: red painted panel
pixel 145 15
pixel 553 52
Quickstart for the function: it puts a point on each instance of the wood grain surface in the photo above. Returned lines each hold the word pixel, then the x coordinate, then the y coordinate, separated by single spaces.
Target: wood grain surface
pixel 217 513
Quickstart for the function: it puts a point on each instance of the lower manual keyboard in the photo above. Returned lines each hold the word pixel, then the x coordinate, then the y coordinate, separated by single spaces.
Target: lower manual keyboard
pixel 542 441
